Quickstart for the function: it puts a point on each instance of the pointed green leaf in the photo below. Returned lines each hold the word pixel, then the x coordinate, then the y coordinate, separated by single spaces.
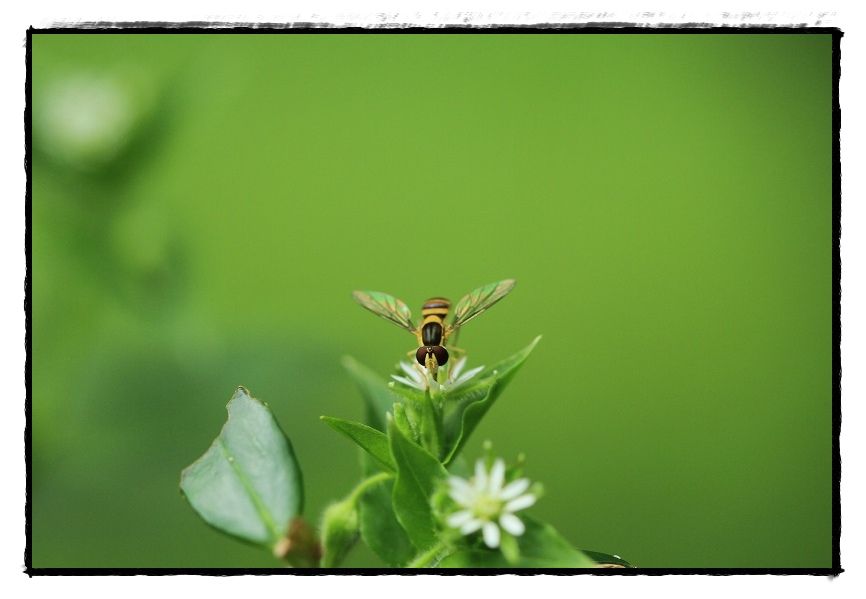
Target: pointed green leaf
pixel 369 439
pixel 404 392
pixel 540 546
pixel 418 474
pixel 460 466
pixel 405 418
pixel 510 549
pixel 248 483
pixel 431 425
pixel 378 397
pixel 463 396
pixel 474 402
pixel 380 529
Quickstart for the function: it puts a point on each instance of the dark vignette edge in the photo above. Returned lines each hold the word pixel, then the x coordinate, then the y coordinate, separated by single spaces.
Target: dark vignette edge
pixel 307 27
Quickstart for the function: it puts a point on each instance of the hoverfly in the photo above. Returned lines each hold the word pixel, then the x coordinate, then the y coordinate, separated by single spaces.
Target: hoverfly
pixel 434 332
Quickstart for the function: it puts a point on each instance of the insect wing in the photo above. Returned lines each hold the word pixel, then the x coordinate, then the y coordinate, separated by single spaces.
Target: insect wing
pixel 478 300
pixel 386 306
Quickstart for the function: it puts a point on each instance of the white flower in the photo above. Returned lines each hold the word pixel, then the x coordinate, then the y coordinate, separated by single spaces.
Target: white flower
pixel 417 376
pixel 487 505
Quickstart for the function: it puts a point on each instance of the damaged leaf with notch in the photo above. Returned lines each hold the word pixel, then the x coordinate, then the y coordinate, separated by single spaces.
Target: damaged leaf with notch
pixel 248 483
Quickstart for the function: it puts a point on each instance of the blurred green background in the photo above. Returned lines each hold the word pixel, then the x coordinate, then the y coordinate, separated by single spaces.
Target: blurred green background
pixel 203 205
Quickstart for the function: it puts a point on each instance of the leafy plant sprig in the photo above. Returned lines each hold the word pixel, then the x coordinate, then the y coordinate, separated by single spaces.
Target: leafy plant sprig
pixel 418 504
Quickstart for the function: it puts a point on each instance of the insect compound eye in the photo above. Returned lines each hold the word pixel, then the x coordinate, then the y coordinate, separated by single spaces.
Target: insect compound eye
pixel 421 354
pixel 441 354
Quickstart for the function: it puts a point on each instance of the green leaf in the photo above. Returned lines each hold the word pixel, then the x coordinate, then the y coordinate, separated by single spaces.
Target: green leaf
pixel 470 393
pixel 380 529
pixel 510 549
pixel 369 439
pixel 418 474
pixel 405 422
pixel 606 559
pixel 460 466
pixel 378 397
pixel 404 392
pixel 540 547
pixel 248 483
pixel 473 403
pixel 431 425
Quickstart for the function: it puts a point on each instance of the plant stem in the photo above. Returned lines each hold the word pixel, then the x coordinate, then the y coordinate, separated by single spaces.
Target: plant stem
pixel 365 484
pixel 429 556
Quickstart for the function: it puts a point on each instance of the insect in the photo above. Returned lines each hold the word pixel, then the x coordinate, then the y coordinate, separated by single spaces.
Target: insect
pixel 433 332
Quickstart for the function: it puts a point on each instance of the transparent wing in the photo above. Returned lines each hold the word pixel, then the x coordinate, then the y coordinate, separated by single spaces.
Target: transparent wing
pixel 386 306
pixel 477 301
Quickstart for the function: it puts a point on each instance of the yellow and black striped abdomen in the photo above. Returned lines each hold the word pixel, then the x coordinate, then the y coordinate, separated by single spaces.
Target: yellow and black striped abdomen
pixel 436 306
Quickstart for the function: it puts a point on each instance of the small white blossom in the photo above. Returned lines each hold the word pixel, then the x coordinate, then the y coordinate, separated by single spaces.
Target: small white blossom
pixel 487 504
pixel 417 376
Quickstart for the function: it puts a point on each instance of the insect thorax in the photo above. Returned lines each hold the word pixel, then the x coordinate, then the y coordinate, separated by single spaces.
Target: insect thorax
pixel 434 312
pixel 431 330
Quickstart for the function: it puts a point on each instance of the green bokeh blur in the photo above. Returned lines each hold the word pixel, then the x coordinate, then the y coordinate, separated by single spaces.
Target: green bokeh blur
pixel 203 205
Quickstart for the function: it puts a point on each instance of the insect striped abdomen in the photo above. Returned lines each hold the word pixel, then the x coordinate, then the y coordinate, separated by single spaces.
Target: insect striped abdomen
pixel 436 306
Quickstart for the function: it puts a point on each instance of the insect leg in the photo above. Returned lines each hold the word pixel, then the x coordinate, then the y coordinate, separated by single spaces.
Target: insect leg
pixel 457 352
pixel 448 332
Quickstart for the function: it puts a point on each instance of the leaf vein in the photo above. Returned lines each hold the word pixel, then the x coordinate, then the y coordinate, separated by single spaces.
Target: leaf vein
pixel 263 512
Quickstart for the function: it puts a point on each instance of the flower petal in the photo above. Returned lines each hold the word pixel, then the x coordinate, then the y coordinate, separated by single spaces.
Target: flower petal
pixel 406 367
pixel 514 488
pixel 461 491
pixel 512 524
pixel 461 483
pixel 458 519
pixel 471 526
pixel 407 382
pixel 457 368
pixel 522 502
pixel 466 376
pixel 480 476
pixel 412 372
pixel 497 476
pixel 491 535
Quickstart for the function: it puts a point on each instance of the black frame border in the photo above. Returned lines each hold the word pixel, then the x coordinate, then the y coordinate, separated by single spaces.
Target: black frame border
pixel 224 28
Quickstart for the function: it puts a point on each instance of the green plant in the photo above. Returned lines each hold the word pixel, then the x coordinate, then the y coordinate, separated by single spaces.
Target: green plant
pixel 418 504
